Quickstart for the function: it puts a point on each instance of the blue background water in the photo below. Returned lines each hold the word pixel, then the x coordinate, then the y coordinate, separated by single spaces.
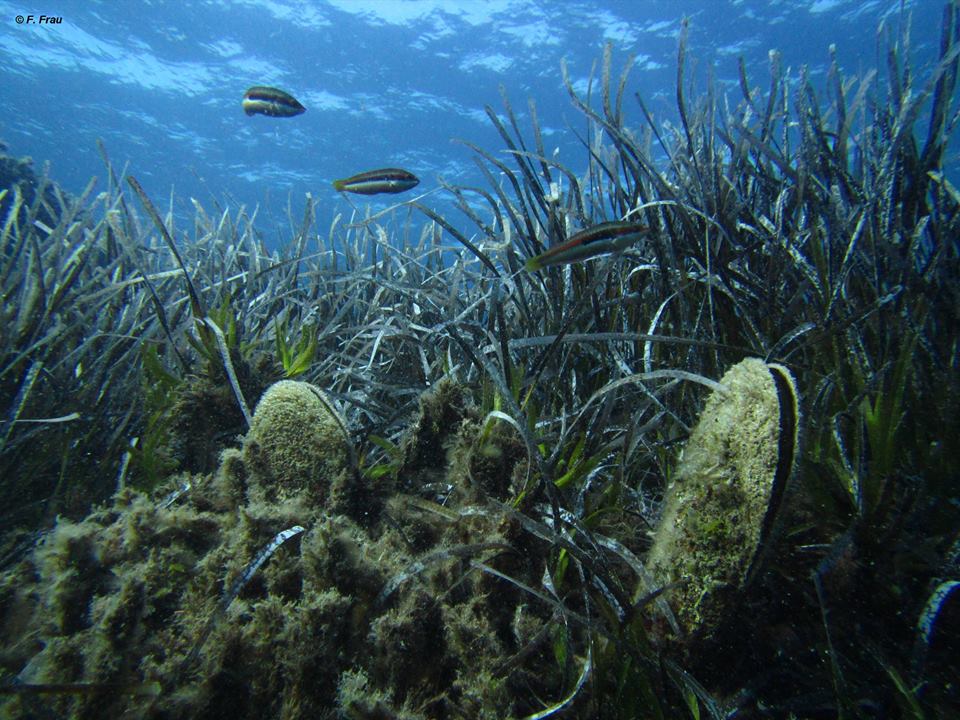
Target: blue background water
pixel 386 82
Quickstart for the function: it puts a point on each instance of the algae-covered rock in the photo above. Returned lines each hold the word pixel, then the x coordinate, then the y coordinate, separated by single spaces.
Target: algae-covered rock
pixel 200 602
pixel 296 443
pixel 721 506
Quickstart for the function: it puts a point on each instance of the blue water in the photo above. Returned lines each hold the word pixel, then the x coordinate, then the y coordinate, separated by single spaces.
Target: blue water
pixel 385 82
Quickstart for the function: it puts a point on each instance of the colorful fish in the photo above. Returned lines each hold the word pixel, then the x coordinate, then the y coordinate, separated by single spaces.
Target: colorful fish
pixel 602 239
pixel 374 182
pixel 262 100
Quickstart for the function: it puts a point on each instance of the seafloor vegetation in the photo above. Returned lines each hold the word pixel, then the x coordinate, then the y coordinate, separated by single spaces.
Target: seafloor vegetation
pixel 464 522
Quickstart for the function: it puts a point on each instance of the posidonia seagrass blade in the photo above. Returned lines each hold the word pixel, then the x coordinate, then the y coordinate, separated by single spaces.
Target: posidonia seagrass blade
pixel 459 237
pixel 199 311
pixel 801 223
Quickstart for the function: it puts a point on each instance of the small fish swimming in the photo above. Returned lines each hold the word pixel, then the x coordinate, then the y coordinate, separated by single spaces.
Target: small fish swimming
pixel 263 100
pixel 374 182
pixel 602 239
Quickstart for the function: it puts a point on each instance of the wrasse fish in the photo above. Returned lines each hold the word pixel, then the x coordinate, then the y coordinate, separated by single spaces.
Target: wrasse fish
pixel 602 239
pixel 262 100
pixel 374 182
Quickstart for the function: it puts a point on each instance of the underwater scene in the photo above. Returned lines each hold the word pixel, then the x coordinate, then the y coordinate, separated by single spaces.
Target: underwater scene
pixel 427 359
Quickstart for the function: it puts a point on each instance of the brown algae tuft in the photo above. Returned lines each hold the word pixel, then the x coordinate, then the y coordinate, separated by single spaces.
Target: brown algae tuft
pixel 721 506
pixel 442 410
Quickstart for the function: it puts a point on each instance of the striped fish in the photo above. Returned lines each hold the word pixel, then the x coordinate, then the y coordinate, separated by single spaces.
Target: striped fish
pixel 262 100
pixel 602 239
pixel 374 182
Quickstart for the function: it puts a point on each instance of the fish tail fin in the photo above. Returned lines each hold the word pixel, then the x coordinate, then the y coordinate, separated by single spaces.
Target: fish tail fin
pixel 533 264
pixel 339 185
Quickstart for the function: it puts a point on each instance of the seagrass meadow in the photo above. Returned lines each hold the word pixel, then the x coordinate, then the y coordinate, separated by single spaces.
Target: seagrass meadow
pixel 385 472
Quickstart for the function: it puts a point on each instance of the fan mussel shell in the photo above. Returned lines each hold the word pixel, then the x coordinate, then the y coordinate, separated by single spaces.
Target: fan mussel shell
pixel 722 505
